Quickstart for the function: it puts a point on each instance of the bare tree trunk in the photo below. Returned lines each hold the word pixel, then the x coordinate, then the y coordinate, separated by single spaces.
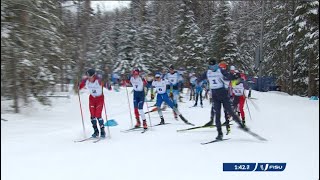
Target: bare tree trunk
pixel 292 56
pixel 14 87
pixel 24 82
pixel 291 70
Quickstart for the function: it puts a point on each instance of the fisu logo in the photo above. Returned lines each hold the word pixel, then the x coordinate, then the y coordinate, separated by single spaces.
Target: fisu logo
pixel 264 168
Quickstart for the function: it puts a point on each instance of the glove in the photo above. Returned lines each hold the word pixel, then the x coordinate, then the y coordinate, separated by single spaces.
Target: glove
pixel 171 95
pixel 152 96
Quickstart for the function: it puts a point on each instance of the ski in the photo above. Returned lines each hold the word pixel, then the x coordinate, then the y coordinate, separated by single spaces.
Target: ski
pixel 99 139
pixel 253 98
pixel 216 140
pixel 132 129
pixel 255 135
pixel 198 127
pixel 160 124
pixel 85 139
pixel 154 110
pixel 144 130
pixel 195 106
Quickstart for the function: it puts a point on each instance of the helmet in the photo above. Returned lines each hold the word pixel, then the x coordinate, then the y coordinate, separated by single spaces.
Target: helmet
pixel 212 61
pixel 136 72
pixel 232 68
pixel 171 67
pixel 223 65
pixel 91 72
pixel 237 75
pixel 157 75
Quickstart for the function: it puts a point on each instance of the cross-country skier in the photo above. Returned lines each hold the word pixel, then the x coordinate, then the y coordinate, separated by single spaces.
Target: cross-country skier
pixel 192 82
pixel 220 96
pixel 223 66
pixel 149 79
pixel 172 87
pixel 198 90
pixel 96 101
pixel 239 98
pixel 138 85
pixel 162 96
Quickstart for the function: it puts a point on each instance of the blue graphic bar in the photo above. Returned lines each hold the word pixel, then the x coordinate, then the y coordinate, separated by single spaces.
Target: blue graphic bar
pixel 271 166
pixel 254 166
pixel 239 166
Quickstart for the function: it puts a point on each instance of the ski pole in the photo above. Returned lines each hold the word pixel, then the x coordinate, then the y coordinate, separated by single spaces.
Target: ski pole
pixel 254 104
pixel 105 111
pixel 84 134
pixel 129 106
pixel 248 110
pixel 149 114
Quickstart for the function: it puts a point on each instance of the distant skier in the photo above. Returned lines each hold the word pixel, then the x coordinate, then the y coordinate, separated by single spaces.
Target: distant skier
pixel 96 101
pixel 192 82
pixel 138 85
pixel 162 96
pixel 198 90
pixel 115 78
pixel 220 96
pixel 149 79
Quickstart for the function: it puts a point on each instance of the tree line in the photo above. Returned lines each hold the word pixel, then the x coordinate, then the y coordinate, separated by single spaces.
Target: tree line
pixel 51 42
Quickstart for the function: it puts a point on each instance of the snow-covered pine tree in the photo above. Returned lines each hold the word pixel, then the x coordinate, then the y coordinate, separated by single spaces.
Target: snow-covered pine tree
pixel 189 50
pixel 222 43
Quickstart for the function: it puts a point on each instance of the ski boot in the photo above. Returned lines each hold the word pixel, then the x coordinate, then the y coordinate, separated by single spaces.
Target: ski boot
pixel 228 130
pixel 95 128
pixel 102 132
pixel 244 121
pixel 195 105
pixel 210 123
pixel 162 121
pixel 138 124
pixel 175 116
pixel 220 135
pixel 145 126
pixel 243 127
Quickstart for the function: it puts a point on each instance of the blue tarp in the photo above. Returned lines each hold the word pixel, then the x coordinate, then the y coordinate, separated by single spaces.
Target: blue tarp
pixel 263 84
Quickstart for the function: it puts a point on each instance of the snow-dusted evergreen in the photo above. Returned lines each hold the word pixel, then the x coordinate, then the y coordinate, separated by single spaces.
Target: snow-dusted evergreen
pixel 222 42
pixel 189 47
pixel 47 42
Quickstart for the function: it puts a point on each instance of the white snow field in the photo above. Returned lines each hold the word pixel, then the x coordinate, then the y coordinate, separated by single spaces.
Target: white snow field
pixel 38 144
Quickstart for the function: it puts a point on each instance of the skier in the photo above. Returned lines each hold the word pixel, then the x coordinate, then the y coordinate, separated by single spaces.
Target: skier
pixel 220 96
pixel 138 84
pixel 149 79
pixel 192 81
pixel 223 65
pixel 172 88
pixel 238 90
pixel 115 78
pixel 198 90
pixel 161 88
pixel 180 85
pixel 96 101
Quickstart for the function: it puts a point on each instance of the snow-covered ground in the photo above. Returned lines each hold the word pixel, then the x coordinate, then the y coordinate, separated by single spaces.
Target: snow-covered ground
pixel 38 144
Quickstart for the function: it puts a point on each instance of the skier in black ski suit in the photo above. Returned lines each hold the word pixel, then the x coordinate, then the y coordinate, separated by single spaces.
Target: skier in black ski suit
pixel 215 76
